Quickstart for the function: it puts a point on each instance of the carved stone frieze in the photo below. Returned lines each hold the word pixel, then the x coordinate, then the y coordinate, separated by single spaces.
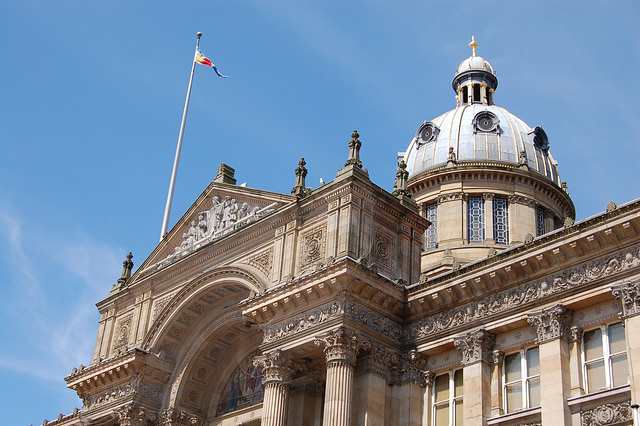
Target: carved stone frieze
pixel 449 197
pixel 341 345
pixel 132 414
pixel 134 387
pixel 173 417
pixel 629 296
pixel 312 246
pixel 121 337
pixel 514 298
pixel 551 323
pixel 277 366
pixel 331 310
pixel 383 250
pixel 475 346
pixel 520 199
pixel 607 414
pixel 263 262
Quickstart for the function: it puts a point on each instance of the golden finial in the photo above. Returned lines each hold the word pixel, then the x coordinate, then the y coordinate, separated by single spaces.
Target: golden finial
pixel 473 45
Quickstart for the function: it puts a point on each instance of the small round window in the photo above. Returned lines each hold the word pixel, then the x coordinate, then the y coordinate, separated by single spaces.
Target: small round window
pixel 540 138
pixel 486 122
pixel 427 133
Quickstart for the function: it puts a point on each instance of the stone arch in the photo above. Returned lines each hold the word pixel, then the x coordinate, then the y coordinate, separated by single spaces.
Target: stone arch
pixel 199 325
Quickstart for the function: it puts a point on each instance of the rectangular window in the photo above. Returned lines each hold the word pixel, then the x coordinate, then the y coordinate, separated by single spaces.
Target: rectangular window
pixel 501 220
pixel 604 356
pixel 475 219
pixel 541 227
pixel 522 380
pixel 431 240
pixel 447 399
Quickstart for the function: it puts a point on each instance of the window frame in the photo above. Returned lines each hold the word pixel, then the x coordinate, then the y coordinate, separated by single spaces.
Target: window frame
pixel 500 205
pixel 607 357
pixel 431 234
pixel 525 380
pixel 480 236
pixel 451 400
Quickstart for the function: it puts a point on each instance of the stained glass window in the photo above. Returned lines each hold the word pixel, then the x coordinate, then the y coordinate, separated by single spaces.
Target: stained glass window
pixel 475 215
pixel 541 228
pixel 244 388
pixel 431 240
pixel 500 220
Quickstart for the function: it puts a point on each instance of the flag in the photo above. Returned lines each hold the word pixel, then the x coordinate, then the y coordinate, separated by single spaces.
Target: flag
pixel 201 59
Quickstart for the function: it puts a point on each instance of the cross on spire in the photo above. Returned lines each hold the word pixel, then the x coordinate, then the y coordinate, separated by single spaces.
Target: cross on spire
pixel 473 45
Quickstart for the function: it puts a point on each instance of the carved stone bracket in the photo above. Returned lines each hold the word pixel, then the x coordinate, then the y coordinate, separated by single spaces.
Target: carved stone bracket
pixel 341 345
pixel 475 346
pixel 134 415
pixel 277 366
pixel 607 414
pixel 173 417
pixel 498 357
pixel 551 323
pixel 629 296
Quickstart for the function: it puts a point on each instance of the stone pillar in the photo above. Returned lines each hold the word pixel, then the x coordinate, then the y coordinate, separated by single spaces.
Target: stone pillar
pixel 411 390
pixel 553 334
pixel 340 348
pixel 496 384
pixel 575 361
pixel 276 372
pixel 429 377
pixel 371 385
pixel 475 348
pixel 628 294
pixel 489 238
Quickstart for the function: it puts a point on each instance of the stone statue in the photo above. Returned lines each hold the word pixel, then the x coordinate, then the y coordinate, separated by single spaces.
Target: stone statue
pixel 451 157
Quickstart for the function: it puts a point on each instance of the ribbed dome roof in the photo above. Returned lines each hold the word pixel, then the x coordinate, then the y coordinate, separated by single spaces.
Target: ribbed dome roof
pixel 480 133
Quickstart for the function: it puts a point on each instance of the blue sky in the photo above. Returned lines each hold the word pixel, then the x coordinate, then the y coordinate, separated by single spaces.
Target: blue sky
pixel 92 95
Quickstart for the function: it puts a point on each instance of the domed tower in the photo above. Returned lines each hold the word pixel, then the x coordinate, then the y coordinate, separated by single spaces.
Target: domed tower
pixel 482 176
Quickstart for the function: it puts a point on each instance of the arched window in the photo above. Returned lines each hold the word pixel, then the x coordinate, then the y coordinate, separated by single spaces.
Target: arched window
pixel 244 388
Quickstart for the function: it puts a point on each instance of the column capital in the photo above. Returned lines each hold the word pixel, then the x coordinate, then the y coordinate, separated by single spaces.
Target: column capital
pixel 497 357
pixel 173 417
pixel 132 414
pixel 277 366
pixel 575 334
pixel 551 323
pixel 475 346
pixel 341 345
pixel 629 296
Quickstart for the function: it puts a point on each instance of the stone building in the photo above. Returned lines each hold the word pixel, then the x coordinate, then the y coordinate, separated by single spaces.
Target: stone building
pixel 467 296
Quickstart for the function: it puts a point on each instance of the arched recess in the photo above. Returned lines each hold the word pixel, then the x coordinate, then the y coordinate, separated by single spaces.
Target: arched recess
pixel 203 332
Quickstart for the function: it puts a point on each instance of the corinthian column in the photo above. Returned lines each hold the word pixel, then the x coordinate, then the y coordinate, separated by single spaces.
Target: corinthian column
pixel 276 372
pixel 340 348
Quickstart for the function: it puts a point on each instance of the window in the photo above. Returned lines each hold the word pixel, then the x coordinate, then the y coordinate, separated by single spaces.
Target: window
pixel 605 357
pixel 541 227
pixel 475 218
pixel 431 240
pixel 447 399
pixel 501 220
pixel 522 380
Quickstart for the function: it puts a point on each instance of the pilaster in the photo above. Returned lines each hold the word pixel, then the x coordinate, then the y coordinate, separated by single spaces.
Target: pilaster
pixel 475 348
pixel 496 384
pixel 552 326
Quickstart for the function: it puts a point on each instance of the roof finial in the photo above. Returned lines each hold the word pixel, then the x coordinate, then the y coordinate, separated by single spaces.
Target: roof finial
pixel 473 45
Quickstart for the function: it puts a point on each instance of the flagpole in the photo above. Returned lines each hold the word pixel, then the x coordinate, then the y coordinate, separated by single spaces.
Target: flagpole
pixel 167 209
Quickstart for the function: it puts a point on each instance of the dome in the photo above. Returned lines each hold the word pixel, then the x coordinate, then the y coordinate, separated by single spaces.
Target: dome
pixel 479 133
pixel 475 63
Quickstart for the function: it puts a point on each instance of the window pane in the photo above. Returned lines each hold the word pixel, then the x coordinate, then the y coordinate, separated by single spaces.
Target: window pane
pixel 500 220
pixel 512 365
pixel 475 218
pixel 616 339
pixel 514 398
pixel 595 376
pixel 442 388
pixel 619 369
pixel 593 344
pixel 432 230
pixel 533 362
pixel 442 415
pixel 459 413
pixel 534 393
pixel 459 383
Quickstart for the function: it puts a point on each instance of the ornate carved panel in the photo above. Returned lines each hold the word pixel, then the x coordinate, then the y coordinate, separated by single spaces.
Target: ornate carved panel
pixel 383 250
pixel 122 332
pixel 629 296
pixel 607 414
pixel 263 262
pixel 312 246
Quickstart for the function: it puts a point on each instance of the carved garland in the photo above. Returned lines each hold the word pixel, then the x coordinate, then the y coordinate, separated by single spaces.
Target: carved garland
pixel 134 387
pixel 607 414
pixel 530 292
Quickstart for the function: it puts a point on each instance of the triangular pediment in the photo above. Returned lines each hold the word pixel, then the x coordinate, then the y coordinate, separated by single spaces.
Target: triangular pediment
pixel 222 209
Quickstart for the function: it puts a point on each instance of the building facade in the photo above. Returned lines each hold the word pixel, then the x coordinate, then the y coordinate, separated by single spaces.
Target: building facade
pixel 467 296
